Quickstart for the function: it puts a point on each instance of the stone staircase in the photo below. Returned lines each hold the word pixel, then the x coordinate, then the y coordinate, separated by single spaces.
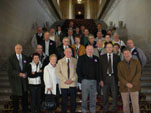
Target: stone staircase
pixel 146 82
pixel 5 91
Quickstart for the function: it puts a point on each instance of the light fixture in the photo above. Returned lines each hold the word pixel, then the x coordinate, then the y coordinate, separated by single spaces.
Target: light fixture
pixel 79 12
pixel 79 1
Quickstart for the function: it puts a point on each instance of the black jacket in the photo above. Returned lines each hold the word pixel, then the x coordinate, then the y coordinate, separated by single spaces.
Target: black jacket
pixel 103 67
pixel 17 83
pixel 52 47
pixel 88 68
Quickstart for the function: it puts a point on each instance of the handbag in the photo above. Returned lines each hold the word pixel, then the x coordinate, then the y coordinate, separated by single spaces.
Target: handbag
pixel 49 102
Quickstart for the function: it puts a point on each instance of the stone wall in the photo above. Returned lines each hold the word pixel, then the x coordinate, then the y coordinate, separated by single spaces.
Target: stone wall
pixel 136 15
pixel 18 22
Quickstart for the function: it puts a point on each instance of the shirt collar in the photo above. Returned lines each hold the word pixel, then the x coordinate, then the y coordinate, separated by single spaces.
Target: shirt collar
pixel 109 54
pixel 99 48
pixel 90 56
pixel 68 59
pixel 132 49
pixel 18 55
pixel 39 34
pixel 65 46
pixel 77 46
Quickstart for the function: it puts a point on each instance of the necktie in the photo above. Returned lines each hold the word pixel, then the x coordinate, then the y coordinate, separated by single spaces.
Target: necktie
pixel 77 49
pixel 70 41
pixel 68 64
pixel 109 65
pixel 20 63
pixel 99 50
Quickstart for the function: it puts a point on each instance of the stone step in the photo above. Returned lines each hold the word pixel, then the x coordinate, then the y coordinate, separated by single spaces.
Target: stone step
pixel 146 83
pixel 3 72
pixel 5 89
pixel 147 66
pixel 146 90
pixel 4 98
pixel 148 97
pixel 146 73
pixel 144 78
pixel 4 83
pixel 4 78
pixel 147 69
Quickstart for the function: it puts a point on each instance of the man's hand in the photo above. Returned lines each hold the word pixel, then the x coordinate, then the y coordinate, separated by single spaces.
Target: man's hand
pixel 33 73
pixel 48 89
pixel 40 71
pixel 129 85
pixel 101 83
pixel 68 82
pixel 23 75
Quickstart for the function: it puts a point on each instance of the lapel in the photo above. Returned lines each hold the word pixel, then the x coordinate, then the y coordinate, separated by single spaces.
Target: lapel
pixel 50 44
pixel 114 60
pixel 16 59
pixel 106 61
pixel 23 61
pixel 98 52
pixel 65 63
pixel 44 45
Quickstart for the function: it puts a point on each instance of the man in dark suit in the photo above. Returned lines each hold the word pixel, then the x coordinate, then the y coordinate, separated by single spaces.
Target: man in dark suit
pixel 88 73
pixel 61 48
pixel 99 28
pixel 108 76
pixel 49 46
pixel 18 79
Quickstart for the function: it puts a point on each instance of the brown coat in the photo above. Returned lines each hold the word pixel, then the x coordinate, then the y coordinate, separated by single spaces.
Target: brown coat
pixel 81 50
pixel 129 74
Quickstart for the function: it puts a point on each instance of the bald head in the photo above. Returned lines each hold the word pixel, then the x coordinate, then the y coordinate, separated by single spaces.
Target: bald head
pixel 18 49
pixel 130 44
pixel 68 52
pixel 89 50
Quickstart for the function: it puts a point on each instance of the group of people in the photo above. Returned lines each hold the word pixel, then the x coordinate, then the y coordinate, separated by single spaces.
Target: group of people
pixel 65 61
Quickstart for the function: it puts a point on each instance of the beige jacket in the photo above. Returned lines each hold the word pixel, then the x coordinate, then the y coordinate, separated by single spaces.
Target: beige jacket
pixel 62 72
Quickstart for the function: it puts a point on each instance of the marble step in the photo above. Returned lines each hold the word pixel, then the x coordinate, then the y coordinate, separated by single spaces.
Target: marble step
pixel 4 78
pixel 146 83
pixel 146 90
pixel 144 78
pixel 4 83
pixel 4 98
pixel 146 73
pixel 5 90
pixel 148 97
pixel 147 69
pixel 148 64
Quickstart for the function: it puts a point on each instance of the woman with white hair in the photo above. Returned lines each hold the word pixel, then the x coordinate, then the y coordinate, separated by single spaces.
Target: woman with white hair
pixel 50 78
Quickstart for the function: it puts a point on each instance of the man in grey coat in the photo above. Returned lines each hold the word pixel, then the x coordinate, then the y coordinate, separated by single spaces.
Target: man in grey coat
pixel 18 79
pixel 99 51
pixel 137 53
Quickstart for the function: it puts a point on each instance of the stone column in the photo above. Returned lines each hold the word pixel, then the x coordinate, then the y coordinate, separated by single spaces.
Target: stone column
pixel 70 9
pixel 88 10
